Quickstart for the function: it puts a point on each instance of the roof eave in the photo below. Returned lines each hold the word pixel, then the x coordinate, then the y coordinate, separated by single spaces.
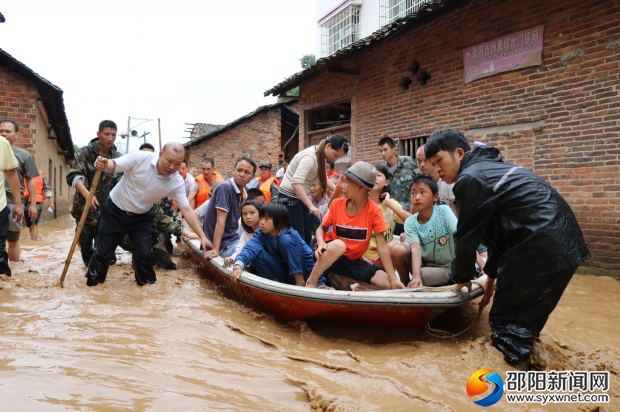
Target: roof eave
pixel 384 33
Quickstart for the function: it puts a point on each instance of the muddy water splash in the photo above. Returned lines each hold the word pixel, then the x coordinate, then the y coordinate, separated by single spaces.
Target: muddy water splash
pixel 184 344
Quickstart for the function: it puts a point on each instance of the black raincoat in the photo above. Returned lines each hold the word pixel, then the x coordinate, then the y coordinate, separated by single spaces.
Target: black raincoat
pixel 535 245
pixel 528 227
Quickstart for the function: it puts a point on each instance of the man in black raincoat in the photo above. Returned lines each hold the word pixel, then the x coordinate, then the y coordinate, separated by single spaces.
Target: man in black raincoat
pixel 535 243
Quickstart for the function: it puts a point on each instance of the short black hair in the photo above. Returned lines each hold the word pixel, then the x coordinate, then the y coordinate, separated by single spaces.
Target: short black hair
pixel 208 160
pixel 258 205
pixel 279 214
pixel 331 163
pixel 385 172
pixel 107 123
pixel 247 159
pixel 387 140
pixel 448 140
pixel 185 161
pixel 147 146
pixel 254 192
pixel 427 180
pixel 15 125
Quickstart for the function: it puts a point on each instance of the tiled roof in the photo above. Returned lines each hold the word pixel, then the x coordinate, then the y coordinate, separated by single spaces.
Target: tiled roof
pixel 201 129
pixel 51 97
pixel 240 120
pixel 383 33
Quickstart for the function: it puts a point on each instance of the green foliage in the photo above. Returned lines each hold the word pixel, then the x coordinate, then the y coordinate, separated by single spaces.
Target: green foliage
pixel 75 147
pixel 306 61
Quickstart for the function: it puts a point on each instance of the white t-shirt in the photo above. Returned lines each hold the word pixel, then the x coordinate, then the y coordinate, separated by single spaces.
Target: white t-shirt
pixel 446 195
pixel 141 185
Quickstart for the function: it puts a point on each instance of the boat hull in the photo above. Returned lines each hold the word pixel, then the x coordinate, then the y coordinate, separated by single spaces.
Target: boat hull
pixel 291 303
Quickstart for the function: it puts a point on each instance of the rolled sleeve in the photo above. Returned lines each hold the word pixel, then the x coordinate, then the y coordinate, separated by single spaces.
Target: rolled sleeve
pixel 179 196
pixel 77 179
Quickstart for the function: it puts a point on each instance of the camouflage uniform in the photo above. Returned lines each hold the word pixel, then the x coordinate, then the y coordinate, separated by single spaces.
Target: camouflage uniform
pixel 83 167
pixel 402 175
pixel 165 224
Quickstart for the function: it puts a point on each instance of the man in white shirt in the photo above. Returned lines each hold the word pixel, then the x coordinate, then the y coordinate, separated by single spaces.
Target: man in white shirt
pixel 147 179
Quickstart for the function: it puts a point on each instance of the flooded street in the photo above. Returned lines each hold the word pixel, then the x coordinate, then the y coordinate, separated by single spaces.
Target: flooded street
pixel 185 344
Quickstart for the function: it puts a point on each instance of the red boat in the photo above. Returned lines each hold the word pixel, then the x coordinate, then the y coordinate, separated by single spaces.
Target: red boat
pixel 403 308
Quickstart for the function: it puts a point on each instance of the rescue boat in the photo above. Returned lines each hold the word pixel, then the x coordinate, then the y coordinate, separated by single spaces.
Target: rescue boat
pixel 403 308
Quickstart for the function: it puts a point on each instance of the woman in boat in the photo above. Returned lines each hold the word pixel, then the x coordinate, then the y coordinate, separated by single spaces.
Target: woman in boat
pixel 306 167
pixel 276 252
pixel 250 211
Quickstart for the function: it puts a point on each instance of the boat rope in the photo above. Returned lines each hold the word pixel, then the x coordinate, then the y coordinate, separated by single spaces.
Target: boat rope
pixel 438 333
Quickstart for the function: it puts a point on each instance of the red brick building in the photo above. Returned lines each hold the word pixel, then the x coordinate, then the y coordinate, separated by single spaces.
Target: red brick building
pixel 559 118
pixel 268 133
pixel 37 106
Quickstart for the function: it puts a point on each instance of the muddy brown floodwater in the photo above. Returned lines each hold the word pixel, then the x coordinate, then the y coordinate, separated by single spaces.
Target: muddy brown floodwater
pixel 185 344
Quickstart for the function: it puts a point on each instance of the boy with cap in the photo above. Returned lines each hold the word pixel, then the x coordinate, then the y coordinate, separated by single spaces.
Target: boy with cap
pixel 354 218
pixel 267 184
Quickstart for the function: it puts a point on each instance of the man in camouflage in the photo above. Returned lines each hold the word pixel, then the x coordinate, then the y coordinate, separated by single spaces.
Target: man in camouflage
pixel 165 224
pixel 81 176
pixel 402 169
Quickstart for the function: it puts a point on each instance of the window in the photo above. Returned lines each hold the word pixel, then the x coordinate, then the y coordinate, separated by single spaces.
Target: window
pixel 342 29
pixel 391 10
pixel 409 147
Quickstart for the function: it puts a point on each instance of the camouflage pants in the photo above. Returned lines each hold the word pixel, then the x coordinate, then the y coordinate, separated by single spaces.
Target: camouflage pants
pixel 86 240
pixel 161 257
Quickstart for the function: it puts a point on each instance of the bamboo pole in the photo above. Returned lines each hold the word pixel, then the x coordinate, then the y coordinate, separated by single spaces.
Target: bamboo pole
pixel 91 193
pixel 159 126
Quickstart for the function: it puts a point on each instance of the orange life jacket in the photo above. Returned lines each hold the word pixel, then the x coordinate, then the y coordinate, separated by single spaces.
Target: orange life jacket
pixel 203 190
pixel 266 187
pixel 38 182
pixel 218 177
pixel 329 176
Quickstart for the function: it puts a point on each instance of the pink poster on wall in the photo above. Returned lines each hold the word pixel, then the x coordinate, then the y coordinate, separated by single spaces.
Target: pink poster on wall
pixel 506 53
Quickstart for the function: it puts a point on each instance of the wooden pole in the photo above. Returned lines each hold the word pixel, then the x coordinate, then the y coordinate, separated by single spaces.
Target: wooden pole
pixel 159 126
pixel 91 193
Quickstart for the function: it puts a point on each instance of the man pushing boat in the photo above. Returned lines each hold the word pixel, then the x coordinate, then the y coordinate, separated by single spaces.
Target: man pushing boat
pixel 147 179
pixel 535 243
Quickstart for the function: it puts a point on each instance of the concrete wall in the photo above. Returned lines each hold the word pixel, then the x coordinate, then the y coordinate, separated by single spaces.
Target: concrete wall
pixel 575 93
pixel 18 101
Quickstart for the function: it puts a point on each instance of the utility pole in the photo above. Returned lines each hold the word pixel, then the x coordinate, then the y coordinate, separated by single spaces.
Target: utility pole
pixel 129 119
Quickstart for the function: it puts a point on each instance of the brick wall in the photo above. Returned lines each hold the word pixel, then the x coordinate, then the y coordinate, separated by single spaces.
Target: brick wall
pixel 559 119
pixel 258 138
pixel 18 101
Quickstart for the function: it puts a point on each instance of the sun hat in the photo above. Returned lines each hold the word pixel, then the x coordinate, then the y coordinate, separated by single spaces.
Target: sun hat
pixel 362 173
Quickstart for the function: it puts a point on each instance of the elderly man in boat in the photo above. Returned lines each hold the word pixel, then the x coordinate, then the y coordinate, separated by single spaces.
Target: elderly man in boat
pixel 535 243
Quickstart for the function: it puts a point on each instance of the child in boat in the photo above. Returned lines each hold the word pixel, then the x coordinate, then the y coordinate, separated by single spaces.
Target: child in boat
pixel 393 212
pixel 250 211
pixel 276 251
pixel 354 218
pixel 429 248
pixel 318 199
pixel 253 194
